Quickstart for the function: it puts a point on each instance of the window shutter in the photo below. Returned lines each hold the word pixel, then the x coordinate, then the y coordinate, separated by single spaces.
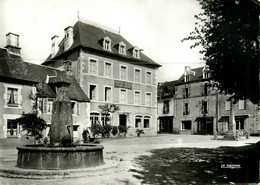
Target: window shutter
pixel 77 103
pixel 202 89
pixel 45 102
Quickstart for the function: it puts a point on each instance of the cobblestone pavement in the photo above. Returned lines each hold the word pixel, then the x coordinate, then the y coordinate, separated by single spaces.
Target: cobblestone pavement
pixel 120 150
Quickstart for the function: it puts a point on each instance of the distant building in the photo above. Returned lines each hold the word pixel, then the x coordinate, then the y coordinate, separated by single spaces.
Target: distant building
pixel 110 70
pixel 198 106
pixel 166 106
pixel 19 79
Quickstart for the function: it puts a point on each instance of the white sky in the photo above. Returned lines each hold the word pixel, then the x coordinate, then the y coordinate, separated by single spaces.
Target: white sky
pixel 156 26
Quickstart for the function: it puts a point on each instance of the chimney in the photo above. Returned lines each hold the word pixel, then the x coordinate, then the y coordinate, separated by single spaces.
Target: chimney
pixel 68 38
pixel 54 45
pixel 12 43
pixel 187 70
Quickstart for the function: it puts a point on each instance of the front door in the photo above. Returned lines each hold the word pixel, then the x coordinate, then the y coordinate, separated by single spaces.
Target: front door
pixel 205 126
pixel 122 119
pixel 165 125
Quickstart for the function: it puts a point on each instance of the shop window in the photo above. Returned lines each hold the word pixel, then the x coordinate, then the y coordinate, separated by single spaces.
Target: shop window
pixel 186 125
pixel 138 121
pixel 94 118
pixel 146 121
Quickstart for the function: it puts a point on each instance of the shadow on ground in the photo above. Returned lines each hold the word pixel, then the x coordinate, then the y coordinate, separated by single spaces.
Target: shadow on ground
pixel 200 166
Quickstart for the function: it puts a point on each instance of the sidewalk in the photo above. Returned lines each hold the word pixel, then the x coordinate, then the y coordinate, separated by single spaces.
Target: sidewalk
pixel 121 151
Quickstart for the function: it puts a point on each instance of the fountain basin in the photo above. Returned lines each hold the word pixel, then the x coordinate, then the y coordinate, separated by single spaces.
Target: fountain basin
pixel 55 158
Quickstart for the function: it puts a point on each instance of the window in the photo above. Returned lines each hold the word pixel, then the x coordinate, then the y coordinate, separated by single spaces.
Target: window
pixel 186 125
pixel 94 117
pixel 242 104
pixel 137 75
pixel 108 69
pixel 12 95
pixel 123 96
pixel 148 99
pixel 166 108
pixel 104 119
pixel 137 97
pixel 123 72
pixel 149 77
pixel 186 109
pixel 204 107
pixel 204 90
pixel 49 105
pixel 240 124
pixel 93 92
pixel 206 74
pixel 74 107
pixel 138 121
pixel 107 44
pixel 122 48
pixel 12 128
pixel 146 121
pixel 186 78
pixel 227 105
pixel 93 67
pixel 186 92
pixel 108 94
pixel 136 53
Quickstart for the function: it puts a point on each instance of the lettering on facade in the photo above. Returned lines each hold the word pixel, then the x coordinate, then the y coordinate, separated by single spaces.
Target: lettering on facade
pixel 122 84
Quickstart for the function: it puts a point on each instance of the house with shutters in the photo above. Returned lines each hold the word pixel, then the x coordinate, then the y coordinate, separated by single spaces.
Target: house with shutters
pixel 198 105
pixel 20 79
pixel 110 70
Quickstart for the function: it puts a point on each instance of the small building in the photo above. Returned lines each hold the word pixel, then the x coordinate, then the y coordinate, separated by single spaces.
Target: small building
pixel 21 80
pixel 166 106
pixel 199 106
pixel 110 70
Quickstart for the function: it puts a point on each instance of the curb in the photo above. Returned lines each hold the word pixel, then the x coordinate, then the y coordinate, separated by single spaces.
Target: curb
pixel 15 172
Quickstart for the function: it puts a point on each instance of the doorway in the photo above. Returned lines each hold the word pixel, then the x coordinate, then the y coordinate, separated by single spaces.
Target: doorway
pixel 166 125
pixel 205 126
pixel 122 119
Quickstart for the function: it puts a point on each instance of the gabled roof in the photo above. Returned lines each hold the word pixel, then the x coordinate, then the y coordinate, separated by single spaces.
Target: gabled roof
pixel 167 89
pixel 89 36
pixel 14 69
pixel 197 77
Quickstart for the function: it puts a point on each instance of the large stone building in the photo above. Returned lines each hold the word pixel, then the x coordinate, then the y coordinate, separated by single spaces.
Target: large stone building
pixel 110 70
pixel 19 80
pixel 197 106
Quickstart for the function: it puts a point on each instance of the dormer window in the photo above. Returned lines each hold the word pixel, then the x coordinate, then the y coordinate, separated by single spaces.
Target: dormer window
pixel 205 71
pixel 186 78
pixel 122 48
pixel 107 44
pixel 136 52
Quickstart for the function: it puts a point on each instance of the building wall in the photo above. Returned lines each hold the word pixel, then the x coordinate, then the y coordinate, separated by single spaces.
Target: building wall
pixel 195 104
pixel 86 79
pixel 25 105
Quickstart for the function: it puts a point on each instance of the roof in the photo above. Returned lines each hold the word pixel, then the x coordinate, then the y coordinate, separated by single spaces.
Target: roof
pixel 13 68
pixel 167 89
pixel 89 36
pixel 197 77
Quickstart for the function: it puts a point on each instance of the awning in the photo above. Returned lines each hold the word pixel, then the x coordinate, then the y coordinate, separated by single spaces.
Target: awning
pixel 204 117
pixel 161 117
pixel 225 118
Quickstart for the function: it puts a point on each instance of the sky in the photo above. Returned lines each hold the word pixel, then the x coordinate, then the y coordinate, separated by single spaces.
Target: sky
pixel 156 26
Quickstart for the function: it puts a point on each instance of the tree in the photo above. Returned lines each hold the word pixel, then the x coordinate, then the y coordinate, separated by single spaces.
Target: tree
pixel 107 109
pixel 33 124
pixel 228 32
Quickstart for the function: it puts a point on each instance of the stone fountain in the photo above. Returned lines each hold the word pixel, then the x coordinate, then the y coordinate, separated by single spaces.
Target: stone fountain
pixel 61 153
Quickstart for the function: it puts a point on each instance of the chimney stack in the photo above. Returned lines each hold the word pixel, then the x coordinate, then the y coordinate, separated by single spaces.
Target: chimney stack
pixel 12 43
pixel 54 45
pixel 68 38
